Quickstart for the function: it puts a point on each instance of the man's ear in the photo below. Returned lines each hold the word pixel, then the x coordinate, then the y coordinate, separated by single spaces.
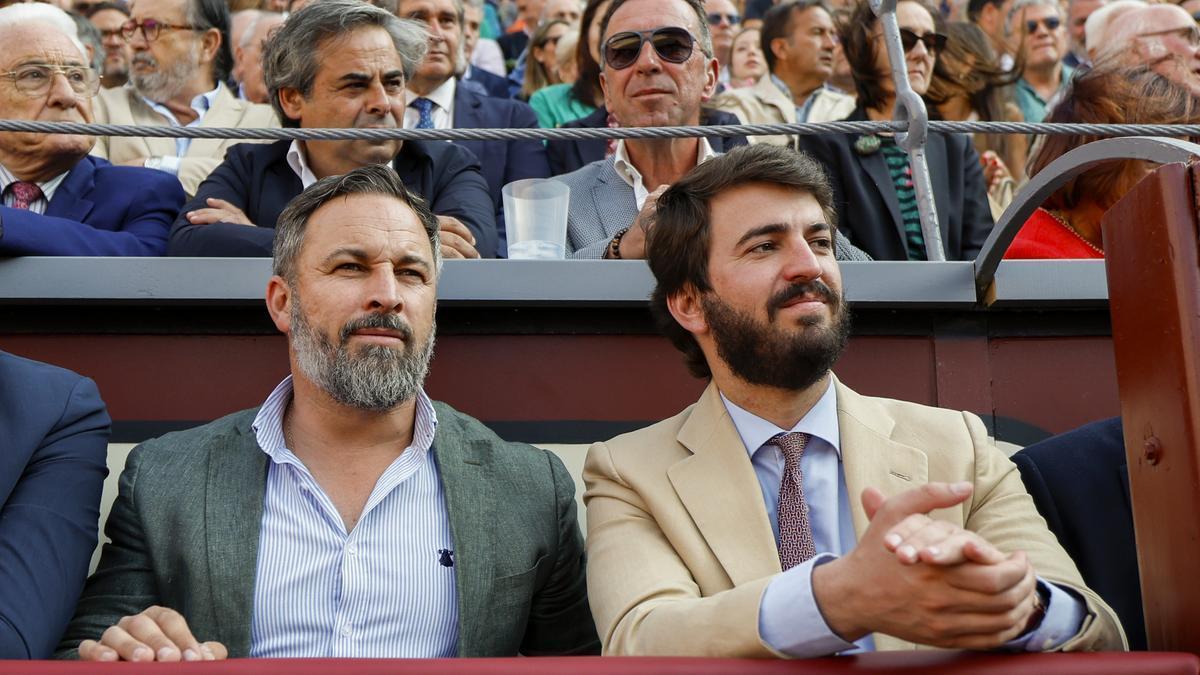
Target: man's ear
pixel 712 75
pixel 604 88
pixel 279 304
pixel 686 308
pixel 291 101
pixel 779 48
pixel 210 44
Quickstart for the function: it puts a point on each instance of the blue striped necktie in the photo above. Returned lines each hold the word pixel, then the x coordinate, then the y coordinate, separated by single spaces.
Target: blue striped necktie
pixel 424 108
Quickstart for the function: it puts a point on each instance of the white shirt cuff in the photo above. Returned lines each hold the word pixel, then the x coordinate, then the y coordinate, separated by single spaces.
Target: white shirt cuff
pixel 789 619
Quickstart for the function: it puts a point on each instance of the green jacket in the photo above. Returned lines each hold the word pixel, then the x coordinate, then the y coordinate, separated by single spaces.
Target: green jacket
pixel 184 534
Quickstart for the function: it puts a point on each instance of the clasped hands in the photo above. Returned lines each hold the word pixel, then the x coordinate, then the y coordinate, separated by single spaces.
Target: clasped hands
pixel 926 581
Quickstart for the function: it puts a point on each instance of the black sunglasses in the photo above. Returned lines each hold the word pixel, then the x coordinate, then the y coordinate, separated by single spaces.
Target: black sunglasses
pixel 672 44
pixel 714 18
pixel 934 42
pixel 1051 23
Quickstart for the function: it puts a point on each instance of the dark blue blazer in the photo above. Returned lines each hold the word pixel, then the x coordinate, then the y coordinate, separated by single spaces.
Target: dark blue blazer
pixel 98 210
pixel 256 178
pixel 567 156
pixel 868 209
pixel 53 460
pixel 492 84
pixel 1080 483
pixel 503 161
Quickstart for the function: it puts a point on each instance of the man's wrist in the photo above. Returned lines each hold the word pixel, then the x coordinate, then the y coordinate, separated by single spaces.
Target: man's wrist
pixel 613 252
pixel 1041 600
pixel 834 600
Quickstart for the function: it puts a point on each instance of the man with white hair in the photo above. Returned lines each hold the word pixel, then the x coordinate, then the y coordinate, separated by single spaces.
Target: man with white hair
pixel 1163 37
pixel 1043 43
pixel 54 198
pixel 181 58
pixel 247 57
pixel 1096 36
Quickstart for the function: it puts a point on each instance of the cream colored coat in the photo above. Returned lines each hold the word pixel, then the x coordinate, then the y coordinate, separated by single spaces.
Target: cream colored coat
pixel 680 549
pixel 123 106
pixel 765 103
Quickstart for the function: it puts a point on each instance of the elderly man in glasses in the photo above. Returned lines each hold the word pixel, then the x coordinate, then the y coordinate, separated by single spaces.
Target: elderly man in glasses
pixel 1164 38
pixel 657 68
pixel 54 198
pixel 181 59
pixel 1043 31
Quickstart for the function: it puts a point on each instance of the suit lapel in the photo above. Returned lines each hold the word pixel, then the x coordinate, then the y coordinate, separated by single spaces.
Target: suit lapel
pixel 141 113
pixel 225 112
pixel 720 491
pixel 68 200
pixel 876 167
pixel 466 109
pixel 237 479
pixel 612 196
pixel 463 465
pixel 870 457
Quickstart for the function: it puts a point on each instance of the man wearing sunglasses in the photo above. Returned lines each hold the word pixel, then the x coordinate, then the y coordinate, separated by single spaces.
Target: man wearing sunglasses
pixel 181 58
pixel 723 22
pixel 657 68
pixel 1040 23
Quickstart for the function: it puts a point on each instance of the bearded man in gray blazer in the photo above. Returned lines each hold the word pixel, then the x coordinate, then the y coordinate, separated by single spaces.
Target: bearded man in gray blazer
pixel 349 516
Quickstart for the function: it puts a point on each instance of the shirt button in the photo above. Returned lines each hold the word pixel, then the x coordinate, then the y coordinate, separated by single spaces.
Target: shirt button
pixel 346 631
pixel 352 549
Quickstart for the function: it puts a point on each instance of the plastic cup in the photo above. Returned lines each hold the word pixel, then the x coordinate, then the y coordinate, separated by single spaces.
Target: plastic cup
pixel 535 215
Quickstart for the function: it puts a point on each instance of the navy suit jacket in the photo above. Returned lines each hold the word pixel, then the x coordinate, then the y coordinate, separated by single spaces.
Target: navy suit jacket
pixel 53 452
pixel 1080 483
pixel 503 161
pixel 491 83
pixel 257 179
pixel 98 210
pixel 568 156
pixel 865 196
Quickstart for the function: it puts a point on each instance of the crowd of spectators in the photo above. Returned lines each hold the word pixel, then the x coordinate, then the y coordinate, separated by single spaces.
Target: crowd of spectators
pixel 549 64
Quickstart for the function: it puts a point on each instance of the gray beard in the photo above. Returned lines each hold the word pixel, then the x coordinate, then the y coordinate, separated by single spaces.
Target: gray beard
pixel 162 85
pixel 377 378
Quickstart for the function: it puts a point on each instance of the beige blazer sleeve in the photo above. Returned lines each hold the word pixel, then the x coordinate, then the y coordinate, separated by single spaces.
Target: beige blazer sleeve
pixel 644 597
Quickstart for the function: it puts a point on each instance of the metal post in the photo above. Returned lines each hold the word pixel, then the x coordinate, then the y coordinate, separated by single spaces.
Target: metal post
pixel 911 108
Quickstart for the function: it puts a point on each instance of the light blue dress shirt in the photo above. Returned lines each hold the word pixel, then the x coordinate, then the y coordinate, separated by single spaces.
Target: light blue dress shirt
pixel 201 104
pixel 789 619
pixel 384 589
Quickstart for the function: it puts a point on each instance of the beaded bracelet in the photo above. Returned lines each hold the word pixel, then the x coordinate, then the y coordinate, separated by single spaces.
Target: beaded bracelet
pixel 614 246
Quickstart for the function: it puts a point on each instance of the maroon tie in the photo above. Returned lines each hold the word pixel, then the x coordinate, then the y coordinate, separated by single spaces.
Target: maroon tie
pixel 24 194
pixel 795 534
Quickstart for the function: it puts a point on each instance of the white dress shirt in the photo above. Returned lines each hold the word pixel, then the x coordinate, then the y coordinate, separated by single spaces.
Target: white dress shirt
pixel 443 106
pixel 297 158
pixel 384 589
pixel 633 178
pixel 40 204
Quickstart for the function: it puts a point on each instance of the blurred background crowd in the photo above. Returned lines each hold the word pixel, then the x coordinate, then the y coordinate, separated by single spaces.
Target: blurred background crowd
pixel 447 64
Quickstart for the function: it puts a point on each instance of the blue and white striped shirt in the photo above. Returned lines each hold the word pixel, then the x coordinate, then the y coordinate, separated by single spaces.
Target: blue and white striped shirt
pixel 381 590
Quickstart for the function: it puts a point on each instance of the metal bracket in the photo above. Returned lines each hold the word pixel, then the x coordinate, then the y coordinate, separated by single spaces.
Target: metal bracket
pixel 910 107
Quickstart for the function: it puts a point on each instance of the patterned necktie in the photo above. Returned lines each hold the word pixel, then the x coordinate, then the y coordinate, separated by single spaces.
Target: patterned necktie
pixel 424 108
pixel 24 194
pixel 795 534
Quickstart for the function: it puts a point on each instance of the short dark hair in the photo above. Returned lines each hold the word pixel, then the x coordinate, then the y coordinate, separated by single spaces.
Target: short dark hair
pixel 587 81
pixel 704 39
pixel 101 6
pixel 370 179
pixel 975 7
pixel 677 246
pixel 777 23
pixel 206 14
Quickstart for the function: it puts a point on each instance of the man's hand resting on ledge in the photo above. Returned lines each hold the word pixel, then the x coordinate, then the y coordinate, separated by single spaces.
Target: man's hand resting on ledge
pixel 925 581
pixel 156 634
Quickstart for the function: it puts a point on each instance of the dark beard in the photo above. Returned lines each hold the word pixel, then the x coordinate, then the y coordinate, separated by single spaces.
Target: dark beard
pixel 764 354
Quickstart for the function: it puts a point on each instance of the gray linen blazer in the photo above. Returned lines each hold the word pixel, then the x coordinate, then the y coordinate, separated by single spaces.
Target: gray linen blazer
pixel 185 530
pixel 602 204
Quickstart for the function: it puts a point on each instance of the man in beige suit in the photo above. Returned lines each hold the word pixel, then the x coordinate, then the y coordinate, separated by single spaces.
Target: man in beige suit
pixel 181 58
pixel 783 514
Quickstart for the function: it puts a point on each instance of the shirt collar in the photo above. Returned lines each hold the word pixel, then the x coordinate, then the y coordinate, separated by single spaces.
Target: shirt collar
pixel 442 97
pixel 630 174
pixel 201 103
pixel 48 187
pixel 821 422
pixel 268 424
pixel 297 158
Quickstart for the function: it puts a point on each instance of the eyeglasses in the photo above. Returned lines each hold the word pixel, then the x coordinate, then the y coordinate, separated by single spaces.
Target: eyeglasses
pixel 34 79
pixel 112 33
pixel 1050 22
pixel 934 42
pixel 1190 34
pixel 151 28
pixel 671 44
pixel 714 18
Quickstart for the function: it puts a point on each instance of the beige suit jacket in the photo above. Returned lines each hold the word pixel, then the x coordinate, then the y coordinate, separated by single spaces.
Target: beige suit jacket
pixel 124 106
pixel 680 549
pixel 765 103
